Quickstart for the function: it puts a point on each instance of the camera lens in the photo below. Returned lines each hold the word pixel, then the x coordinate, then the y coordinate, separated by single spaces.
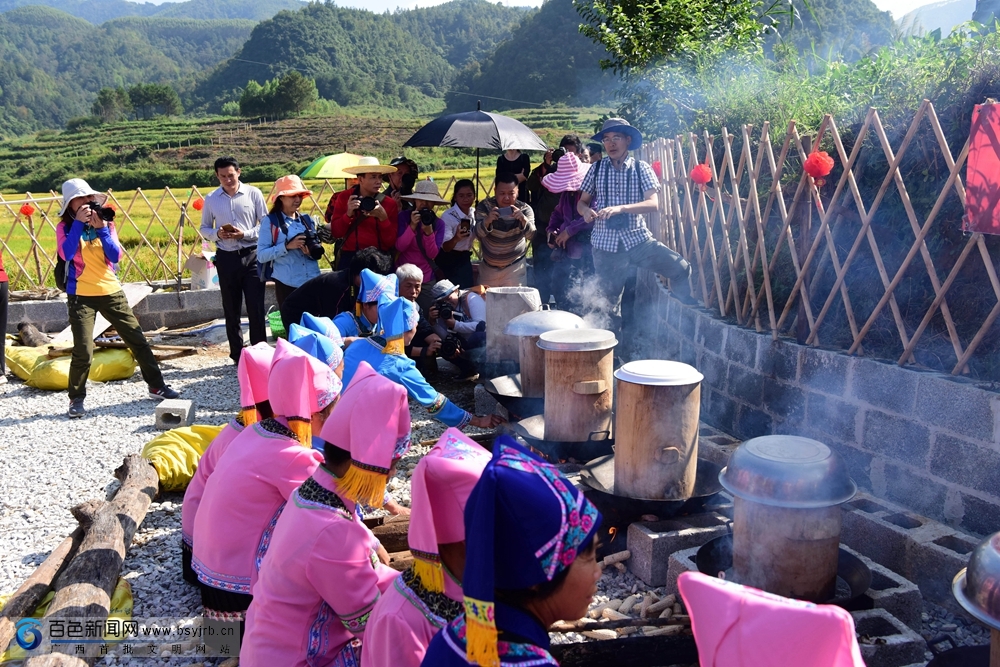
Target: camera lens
pixel 367 204
pixel 427 216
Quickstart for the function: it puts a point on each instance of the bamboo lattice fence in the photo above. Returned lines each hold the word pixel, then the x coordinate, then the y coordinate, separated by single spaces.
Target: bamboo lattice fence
pixel 832 264
pixel 158 233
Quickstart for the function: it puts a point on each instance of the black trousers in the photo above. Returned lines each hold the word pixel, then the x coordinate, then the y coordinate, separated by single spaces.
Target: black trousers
pixel 4 294
pixel 238 279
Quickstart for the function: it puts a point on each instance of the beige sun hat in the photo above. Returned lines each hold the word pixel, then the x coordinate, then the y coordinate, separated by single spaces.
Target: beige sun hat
pixel 369 165
pixel 77 187
pixel 426 190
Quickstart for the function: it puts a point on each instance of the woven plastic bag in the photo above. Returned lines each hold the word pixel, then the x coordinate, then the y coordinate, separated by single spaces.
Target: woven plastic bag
pixel 108 364
pixel 21 359
pixel 175 454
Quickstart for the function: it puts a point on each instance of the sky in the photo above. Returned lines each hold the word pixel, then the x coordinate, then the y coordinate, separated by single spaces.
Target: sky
pixel 897 7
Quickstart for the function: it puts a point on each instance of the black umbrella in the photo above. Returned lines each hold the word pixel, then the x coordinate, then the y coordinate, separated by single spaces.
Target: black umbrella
pixel 477 129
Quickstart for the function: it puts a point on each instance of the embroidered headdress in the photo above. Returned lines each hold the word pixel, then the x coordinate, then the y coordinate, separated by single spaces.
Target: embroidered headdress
pixel 524 524
pixel 374 285
pixel 395 318
pixel 298 386
pixel 324 326
pixel 252 370
pixel 316 345
pixel 372 422
pixel 440 487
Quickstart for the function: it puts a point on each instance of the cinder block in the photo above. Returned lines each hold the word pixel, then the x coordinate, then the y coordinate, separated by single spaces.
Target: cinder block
pixel 680 562
pixel 651 543
pixel 174 413
pixel 486 404
pixel 886 386
pixel 741 347
pixel 885 640
pixel 968 411
pixel 898 596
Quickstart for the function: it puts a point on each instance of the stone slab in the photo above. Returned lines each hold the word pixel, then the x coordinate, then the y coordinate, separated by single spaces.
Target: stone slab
pixel 174 413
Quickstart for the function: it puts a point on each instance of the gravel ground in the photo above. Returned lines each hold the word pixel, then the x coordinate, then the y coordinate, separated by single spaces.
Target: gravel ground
pixel 51 464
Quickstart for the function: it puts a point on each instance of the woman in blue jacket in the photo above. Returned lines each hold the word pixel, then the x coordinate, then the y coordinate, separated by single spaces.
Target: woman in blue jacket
pixel 288 247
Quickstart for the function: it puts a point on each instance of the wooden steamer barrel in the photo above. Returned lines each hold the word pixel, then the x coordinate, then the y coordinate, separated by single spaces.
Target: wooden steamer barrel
pixel 656 429
pixel 502 305
pixel 787 519
pixel 579 366
pixel 527 328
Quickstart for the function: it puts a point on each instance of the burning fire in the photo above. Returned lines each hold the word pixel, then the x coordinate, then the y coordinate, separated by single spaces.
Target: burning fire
pixel 612 533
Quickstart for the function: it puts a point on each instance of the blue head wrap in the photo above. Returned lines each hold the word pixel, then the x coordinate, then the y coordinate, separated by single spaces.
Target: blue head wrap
pixel 373 285
pixel 315 344
pixel 323 326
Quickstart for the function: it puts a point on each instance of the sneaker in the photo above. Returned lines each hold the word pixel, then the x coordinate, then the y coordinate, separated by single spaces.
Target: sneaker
pixel 76 408
pixel 163 392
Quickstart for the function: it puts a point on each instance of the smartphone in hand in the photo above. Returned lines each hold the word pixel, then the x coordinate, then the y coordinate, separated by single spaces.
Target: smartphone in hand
pixel 506 212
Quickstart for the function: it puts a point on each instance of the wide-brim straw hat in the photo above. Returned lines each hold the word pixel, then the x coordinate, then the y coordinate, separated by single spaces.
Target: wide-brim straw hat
pixel 77 187
pixel 289 186
pixel 622 126
pixel 369 165
pixel 568 176
pixel 426 190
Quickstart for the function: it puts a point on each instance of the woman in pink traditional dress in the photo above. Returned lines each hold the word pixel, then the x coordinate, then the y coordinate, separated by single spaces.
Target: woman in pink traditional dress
pixel 252 369
pixel 254 478
pixel 428 596
pixel 325 570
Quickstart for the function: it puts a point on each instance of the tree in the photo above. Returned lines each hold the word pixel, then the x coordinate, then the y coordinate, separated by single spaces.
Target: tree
pixel 153 99
pixel 112 104
pixel 294 93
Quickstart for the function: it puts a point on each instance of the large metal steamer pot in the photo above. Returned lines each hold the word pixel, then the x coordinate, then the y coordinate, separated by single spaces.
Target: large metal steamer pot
pixel 656 429
pixel 579 367
pixel 787 516
pixel 527 328
pixel 977 589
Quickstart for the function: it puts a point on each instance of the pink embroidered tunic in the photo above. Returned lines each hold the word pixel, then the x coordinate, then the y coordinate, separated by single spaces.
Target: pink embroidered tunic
pixel 318 585
pixel 405 620
pixel 243 498
pixel 206 465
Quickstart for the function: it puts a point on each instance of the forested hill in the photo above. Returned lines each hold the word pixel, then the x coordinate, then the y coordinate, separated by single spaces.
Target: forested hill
pixel 357 57
pixel 546 59
pixel 99 11
pixel 52 64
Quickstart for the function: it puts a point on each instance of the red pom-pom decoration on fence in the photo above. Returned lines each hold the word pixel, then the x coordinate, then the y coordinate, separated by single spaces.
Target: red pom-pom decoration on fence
pixel 657 169
pixel 27 210
pixel 198 204
pixel 818 165
pixel 702 175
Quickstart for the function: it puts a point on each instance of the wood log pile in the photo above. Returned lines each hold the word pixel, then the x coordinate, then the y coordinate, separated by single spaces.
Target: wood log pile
pixel 84 569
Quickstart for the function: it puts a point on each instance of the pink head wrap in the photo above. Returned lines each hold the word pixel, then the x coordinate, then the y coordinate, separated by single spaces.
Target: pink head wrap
pixel 568 176
pixel 441 483
pixel 299 385
pixel 738 626
pixel 372 422
pixel 252 370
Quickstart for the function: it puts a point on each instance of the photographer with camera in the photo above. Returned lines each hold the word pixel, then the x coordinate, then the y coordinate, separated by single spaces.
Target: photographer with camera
pixel 421 234
pixel 288 248
pixel 88 244
pixel 504 225
pixel 358 219
pixel 615 194
pixel 401 182
pixel 459 318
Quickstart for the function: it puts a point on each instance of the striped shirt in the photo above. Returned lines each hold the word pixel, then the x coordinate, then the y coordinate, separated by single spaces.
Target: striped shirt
pixel 610 186
pixel 505 242
pixel 244 210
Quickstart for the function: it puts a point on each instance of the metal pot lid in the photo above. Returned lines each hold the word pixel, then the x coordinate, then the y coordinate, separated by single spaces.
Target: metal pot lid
pixel 540 321
pixel 788 471
pixel 977 587
pixel 577 340
pixel 659 373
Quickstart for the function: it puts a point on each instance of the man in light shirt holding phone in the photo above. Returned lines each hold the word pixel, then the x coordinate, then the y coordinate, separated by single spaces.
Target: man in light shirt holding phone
pixel 504 225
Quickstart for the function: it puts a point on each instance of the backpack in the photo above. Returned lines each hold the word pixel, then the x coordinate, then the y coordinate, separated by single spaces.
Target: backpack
pixel 266 269
pixel 60 273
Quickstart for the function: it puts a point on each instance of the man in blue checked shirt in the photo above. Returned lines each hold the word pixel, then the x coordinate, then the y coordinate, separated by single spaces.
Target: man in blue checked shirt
pixel 616 192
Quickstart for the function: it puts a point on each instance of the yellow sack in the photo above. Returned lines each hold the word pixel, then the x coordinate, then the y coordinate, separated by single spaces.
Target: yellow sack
pixel 108 364
pixel 175 454
pixel 121 609
pixel 21 360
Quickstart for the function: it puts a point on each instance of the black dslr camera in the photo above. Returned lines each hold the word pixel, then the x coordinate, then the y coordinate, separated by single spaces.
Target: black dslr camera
pixel 451 347
pixel 367 204
pixel 313 244
pixel 105 213
pixel 427 217
pixel 444 308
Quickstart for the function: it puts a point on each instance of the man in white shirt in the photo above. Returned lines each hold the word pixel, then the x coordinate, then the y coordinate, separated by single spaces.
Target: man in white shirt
pixel 459 314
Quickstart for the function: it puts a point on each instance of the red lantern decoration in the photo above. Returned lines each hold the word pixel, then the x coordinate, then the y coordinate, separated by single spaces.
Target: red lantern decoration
pixel 658 169
pixel 27 210
pixel 818 165
pixel 702 175
pixel 198 204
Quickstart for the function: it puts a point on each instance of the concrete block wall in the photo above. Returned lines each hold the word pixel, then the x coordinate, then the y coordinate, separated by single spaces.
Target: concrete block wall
pixel 159 309
pixel 926 440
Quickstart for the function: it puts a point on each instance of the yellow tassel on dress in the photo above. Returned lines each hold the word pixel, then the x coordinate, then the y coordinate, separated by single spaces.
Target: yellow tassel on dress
pixel 363 486
pixel 431 575
pixel 480 633
pixel 394 346
pixel 302 429
pixel 249 415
